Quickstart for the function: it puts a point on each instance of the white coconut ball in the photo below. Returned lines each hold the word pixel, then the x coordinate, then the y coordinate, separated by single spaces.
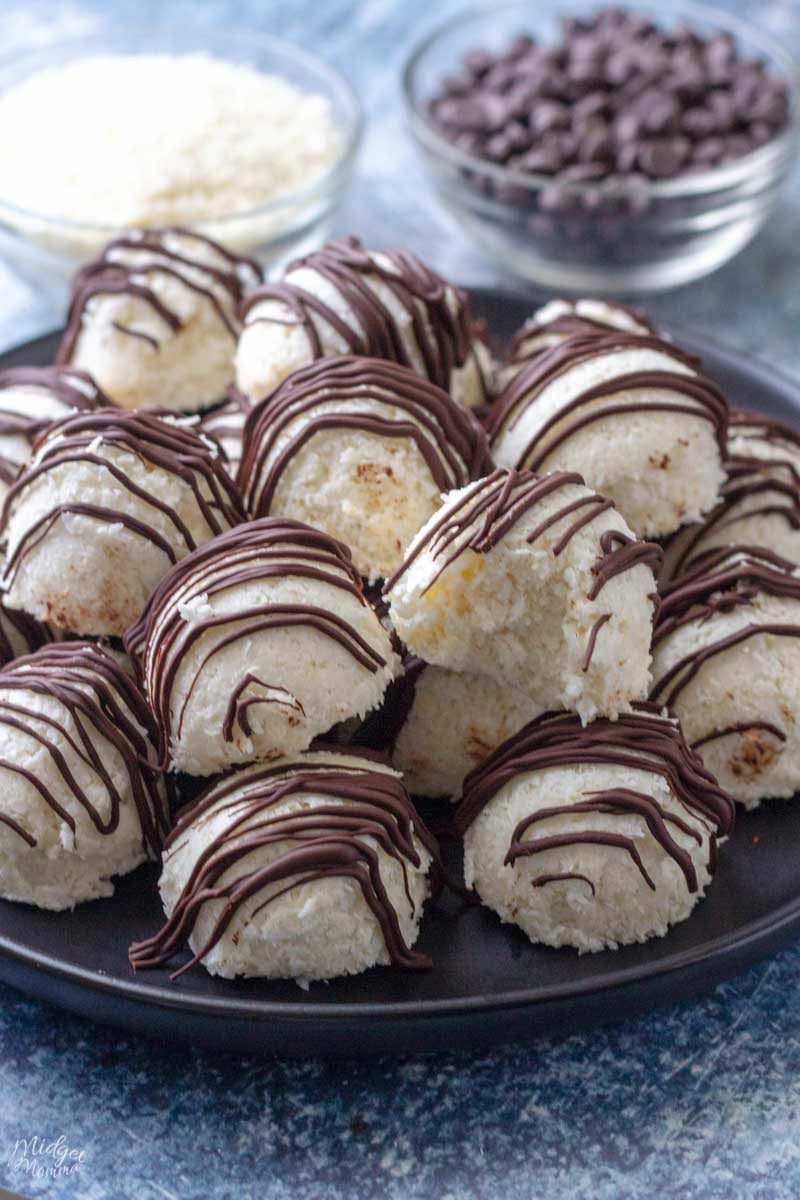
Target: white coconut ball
pixel 32 397
pixel 108 502
pixel 320 865
pixel 560 319
pixel 82 798
pixel 537 583
pixel 448 723
pixel 592 836
pixel 760 503
pixel 226 426
pixel 256 644
pixel 632 414
pixel 344 299
pixel 726 660
pixel 155 319
pixel 363 449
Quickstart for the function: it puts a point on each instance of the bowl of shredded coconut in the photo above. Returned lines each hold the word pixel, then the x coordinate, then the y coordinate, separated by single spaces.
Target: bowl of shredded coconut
pixel 239 135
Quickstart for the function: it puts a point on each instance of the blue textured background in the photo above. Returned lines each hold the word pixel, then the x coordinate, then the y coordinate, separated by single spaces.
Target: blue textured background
pixel 699 1101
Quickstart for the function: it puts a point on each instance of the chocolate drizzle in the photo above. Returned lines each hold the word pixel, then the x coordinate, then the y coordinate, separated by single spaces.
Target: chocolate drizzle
pixel 486 512
pixel 67 390
pixel 721 580
pixel 126 264
pixel 166 444
pixel 260 551
pixel 437 314
pixel 363 809
pixel 699 396
pixel 99 701
pixel 642 740
pixel 330 395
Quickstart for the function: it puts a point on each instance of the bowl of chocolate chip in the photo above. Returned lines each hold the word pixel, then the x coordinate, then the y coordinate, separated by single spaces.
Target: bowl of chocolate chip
pixel 604 149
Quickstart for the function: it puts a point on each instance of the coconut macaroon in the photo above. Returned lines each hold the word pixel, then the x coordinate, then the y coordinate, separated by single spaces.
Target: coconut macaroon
pixel 82 797
pixel 438 725
pixel 32 397
pixel 256 644
pixel 154 319
pixel 225 425
pixel 344 299
pixel 309 868
pixel 632 413
pixel 363 449
pixel 760 503
pixel 107 503
pixel 593 836
pixel 558 320
pixel 726 660
pixel 537 583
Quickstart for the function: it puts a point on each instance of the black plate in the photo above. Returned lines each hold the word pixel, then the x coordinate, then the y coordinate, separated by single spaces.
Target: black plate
pixel 489 982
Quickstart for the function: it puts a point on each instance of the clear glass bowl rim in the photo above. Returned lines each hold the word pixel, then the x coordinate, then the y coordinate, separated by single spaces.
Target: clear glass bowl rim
pixel 731 174
pixel 94 42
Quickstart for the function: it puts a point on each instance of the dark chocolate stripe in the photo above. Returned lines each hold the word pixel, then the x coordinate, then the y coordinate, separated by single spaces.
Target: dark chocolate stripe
pixel 567 325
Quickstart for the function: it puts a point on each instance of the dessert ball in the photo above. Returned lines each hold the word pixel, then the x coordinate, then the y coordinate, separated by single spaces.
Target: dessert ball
pixel 19 634
pixel 154 319
pixel 225 425
pixel 256 644
pixel 441 724
pixel 363 449
pixel 760 503
pixel 107 503
pixel 726 661
pixel 593 836
pixel 82 798
pixel 344 299
pixel 32 397
pixel 558 320
pixel 537 583
pixel 309 868
pixel 631 413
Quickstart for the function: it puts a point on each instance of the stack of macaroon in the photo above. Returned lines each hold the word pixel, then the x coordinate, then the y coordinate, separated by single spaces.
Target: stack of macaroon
pixel 309 542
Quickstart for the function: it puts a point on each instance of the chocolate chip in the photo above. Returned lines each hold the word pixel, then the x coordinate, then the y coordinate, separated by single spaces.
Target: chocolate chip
pixel 478 62
pixel 549 114
pixel 663 157
pixel 596 144
pixel 698 122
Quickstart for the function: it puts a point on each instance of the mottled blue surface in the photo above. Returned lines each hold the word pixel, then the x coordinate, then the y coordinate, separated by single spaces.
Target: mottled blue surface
pixel 700 1101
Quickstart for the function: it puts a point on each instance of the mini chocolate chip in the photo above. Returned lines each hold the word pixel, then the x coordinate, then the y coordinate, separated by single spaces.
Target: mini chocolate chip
pixel 660 112
pixel 478 62
pixel 709 150
pixel 737 144
pixel 663 157
pixel 549 114
pixel 698 122
pixel 518 136
pixel 591 105
pixel 521 45
pixel 627 126
pixel 596 144
pixel 760 133
pixel 584 172
pixel 771 105
pixel 542 161
pixel 722 105
pixel 497 148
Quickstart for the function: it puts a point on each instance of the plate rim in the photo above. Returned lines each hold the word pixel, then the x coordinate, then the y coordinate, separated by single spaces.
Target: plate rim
pixel 754 935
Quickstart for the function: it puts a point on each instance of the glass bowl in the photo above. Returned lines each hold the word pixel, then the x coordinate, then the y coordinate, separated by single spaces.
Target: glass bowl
pixel 46 250
pixel 607 236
